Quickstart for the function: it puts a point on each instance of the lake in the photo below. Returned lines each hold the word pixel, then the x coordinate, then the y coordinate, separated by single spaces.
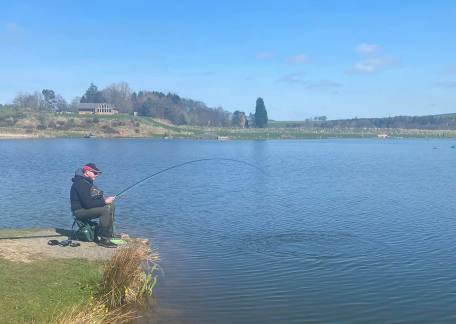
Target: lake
pixel 338 231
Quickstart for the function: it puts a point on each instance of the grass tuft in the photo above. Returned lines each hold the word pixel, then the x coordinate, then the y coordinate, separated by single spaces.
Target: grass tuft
pixel 128 278
pixel 96 313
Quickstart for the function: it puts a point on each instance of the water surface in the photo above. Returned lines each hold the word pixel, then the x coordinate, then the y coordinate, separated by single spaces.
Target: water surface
pixel 341 230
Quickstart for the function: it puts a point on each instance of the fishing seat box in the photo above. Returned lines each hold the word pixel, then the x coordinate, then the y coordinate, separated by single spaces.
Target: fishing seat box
pixel 87 230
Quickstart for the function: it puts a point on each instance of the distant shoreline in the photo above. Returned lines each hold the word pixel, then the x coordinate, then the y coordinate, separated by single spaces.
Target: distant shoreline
pixel 16 136
pixel 53 125
pixel 399 134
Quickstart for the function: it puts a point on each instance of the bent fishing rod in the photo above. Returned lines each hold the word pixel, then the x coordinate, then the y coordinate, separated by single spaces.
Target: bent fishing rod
pixel 185 163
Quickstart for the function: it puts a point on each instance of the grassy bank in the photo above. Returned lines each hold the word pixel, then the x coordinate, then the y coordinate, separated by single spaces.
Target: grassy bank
pixel 66 289
pixel 50 125
pixel 38 291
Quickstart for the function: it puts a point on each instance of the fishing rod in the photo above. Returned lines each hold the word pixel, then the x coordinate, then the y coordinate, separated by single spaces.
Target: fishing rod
pixel 185 163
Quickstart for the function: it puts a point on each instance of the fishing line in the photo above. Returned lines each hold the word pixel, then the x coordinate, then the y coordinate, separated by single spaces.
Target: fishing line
pixel 185 163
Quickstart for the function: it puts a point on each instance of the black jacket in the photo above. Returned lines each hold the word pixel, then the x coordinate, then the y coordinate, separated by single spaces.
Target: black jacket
pixel 84 194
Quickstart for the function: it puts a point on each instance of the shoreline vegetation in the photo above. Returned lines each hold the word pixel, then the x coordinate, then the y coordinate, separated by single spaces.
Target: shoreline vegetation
pixel 67 290
pixel 22 124
pixel 117 111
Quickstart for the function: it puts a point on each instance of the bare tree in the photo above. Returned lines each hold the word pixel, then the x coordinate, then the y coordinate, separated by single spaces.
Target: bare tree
pixel 74 105
pixel 60 103
pixel 34 101
pixel 119 95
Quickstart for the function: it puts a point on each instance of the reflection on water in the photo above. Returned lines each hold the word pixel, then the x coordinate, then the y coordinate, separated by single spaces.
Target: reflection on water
pixel 311 245
pixel 341 230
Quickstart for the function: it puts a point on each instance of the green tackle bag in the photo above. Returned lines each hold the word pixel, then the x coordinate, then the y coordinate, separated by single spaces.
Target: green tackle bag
pixel 87 231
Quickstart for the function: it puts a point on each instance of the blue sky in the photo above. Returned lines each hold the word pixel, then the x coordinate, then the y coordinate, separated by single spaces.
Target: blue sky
pixel 341 59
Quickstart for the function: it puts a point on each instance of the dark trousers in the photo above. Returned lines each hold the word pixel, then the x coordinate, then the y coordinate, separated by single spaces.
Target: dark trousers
pixel 106 215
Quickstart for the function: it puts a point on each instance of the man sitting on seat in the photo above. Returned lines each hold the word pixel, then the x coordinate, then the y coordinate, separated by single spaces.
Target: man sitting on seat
pixel 88 202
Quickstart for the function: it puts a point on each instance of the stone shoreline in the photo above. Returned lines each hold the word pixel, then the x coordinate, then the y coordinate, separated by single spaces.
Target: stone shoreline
pixel 32 244
pixel 15 136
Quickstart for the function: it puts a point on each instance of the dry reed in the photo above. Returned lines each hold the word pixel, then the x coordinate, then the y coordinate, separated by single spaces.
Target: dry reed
pixel 127 279
pixel 96 313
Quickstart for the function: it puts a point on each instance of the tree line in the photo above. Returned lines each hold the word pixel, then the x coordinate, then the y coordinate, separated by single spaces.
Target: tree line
pixel 429 122
pixel 156 104
pixel 183 111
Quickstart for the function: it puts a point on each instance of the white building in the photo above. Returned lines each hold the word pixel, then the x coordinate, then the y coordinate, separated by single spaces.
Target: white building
pixel 90 108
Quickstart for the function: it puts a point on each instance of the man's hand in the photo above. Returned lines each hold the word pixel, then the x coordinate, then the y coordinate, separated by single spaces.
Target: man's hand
pixel 109 200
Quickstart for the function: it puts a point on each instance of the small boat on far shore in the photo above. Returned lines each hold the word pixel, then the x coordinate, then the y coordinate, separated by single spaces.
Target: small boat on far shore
pixel 90 135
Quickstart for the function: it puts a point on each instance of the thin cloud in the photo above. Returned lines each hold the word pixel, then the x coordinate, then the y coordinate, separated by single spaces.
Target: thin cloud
pixel 298 78
pixel 264 55
pixel 372 60
pixel 11 27
pixel 365 48
pixel 374 64
pixel 445 84
pixel 450 69
pixel 10 33
pixel 322 84
pixel 201 74
pixel 298 59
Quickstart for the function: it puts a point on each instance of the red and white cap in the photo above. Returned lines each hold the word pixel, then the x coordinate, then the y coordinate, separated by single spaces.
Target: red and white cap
pixel 91 167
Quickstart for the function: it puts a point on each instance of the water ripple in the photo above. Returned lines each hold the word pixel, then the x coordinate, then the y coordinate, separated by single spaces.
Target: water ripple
pixel 342 231
pixel 311 245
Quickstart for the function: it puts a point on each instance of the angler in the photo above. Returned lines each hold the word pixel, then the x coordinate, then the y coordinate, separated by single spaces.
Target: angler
pixel 88 202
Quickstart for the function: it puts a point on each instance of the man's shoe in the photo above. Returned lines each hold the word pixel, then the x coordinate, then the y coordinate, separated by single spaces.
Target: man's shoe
pixel 106 243
pixel 117 241
pixel 65 242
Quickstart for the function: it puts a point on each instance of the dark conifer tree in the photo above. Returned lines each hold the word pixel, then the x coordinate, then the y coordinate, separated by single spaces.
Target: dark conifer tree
pixel 93 95
pixel 261 115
